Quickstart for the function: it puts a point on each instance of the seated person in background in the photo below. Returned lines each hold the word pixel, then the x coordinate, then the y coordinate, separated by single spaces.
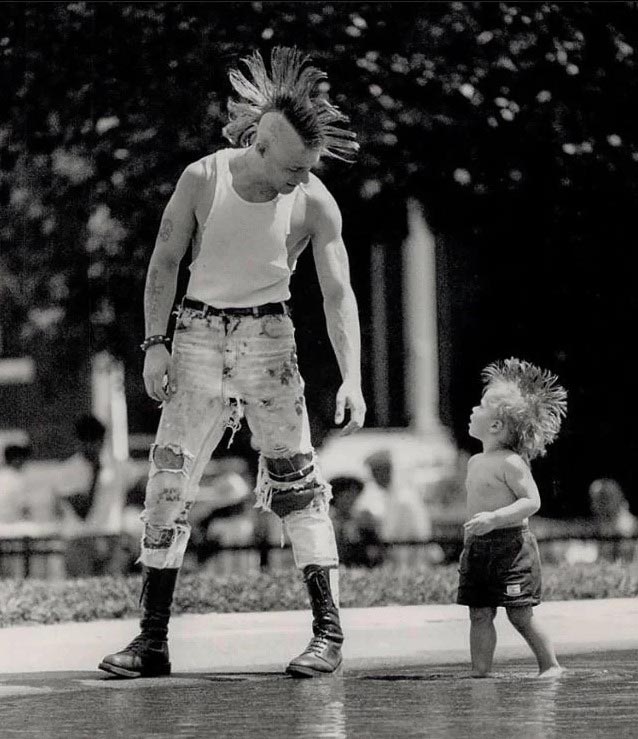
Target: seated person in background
pixel 90 433
pixel 358 540
pixel 610 509
pixel 90 482
pixel 397 507
pixel 90 485
pixel 222 516
pixel 13 503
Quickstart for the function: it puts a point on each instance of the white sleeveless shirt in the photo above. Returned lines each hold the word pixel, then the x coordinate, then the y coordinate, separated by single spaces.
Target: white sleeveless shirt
pixel 242 260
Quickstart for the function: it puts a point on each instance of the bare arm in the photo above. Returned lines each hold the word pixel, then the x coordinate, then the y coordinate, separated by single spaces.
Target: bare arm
pixel 519 480
pixel 173 238
pixel 340 305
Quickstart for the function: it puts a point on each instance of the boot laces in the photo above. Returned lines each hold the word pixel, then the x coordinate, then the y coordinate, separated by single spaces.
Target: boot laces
pixel 318 644
pixel 140 645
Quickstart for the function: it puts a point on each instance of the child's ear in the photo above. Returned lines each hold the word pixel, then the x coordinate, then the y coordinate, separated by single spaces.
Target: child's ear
pixel 497 426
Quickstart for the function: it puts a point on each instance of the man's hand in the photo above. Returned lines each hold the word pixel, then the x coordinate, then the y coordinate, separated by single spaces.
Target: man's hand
pixel 481 523
pixel 159 376
pixel 350 396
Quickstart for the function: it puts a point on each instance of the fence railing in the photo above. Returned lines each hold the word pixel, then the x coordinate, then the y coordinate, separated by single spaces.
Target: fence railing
pixel 45 557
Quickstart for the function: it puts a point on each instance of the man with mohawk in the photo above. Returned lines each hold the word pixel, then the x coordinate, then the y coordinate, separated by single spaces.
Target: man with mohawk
pixel 250 211
pixel 519 415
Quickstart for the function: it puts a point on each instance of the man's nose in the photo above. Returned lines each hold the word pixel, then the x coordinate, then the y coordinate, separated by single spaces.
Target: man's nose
pixel 304 178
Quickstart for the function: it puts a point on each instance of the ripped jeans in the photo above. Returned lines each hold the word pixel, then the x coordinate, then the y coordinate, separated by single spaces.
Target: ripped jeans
pixel 227 367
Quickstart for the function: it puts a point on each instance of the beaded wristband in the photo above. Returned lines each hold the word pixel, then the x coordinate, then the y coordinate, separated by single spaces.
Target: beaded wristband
pixel 152 340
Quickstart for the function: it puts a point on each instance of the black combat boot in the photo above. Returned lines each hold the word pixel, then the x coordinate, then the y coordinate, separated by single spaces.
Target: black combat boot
pixel 322 656
pixel 147 654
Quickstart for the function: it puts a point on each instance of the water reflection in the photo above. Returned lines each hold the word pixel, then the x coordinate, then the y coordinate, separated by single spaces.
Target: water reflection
pixel 596 698
pixel 523 707
pixel 317 709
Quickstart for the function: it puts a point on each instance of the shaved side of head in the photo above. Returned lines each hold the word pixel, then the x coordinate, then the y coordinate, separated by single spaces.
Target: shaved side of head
pixel 274 131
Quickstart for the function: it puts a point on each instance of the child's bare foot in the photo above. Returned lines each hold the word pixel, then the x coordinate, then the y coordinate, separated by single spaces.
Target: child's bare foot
pixel 554 671
pixel 478 673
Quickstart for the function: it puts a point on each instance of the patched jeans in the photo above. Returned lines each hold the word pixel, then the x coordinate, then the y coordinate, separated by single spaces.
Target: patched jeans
pixel 228 367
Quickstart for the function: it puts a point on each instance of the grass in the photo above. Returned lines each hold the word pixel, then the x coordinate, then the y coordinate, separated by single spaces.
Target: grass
pixel 45 602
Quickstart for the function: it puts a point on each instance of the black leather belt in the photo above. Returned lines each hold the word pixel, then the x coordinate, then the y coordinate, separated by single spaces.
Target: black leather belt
pixel 267 309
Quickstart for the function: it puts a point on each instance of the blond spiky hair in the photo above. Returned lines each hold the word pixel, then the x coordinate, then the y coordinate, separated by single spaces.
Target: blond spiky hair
pixel 293 89
pixel 533 405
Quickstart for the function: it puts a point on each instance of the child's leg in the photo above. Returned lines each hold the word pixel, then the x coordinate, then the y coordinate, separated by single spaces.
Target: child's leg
pixel 522 618
pixel 482 640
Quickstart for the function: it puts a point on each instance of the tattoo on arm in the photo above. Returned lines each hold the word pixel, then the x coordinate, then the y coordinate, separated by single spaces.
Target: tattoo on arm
pixel 166 229
pixel 153 295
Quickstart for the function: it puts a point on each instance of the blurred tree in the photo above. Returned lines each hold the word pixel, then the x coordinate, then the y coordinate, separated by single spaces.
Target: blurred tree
pixel 512 122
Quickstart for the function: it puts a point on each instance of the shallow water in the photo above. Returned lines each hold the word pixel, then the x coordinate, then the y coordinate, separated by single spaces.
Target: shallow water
pixel 597 697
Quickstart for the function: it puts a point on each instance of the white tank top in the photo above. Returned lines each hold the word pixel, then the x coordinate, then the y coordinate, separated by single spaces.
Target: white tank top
pixel 242 260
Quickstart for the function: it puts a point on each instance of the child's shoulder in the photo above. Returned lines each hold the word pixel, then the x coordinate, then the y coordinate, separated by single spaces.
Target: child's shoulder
pixel 505 458
pixel 513 466
pixel 475 459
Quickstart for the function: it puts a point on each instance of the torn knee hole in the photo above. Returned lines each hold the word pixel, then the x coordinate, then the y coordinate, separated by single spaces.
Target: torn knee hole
pixel 158 537
pixel 288 469
pixel 288 501
pixel 168 458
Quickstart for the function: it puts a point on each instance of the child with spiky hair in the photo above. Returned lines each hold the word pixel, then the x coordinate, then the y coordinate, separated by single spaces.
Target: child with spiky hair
pixel 519 415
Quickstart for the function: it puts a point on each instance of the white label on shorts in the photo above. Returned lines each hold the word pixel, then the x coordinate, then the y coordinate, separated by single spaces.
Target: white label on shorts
pixel 514 589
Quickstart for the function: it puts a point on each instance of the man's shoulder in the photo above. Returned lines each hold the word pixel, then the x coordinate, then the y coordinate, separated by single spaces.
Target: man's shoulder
pixel 202 169
pixel 319 200
pixel 315 189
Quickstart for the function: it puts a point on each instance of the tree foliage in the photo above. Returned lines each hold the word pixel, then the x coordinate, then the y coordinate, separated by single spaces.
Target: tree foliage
pixel 512 122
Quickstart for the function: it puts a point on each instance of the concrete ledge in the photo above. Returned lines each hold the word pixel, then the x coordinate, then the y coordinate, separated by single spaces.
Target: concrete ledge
pixel 386 636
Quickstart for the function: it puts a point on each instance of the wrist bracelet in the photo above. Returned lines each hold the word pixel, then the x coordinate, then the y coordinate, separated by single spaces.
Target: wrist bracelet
pixel 152 340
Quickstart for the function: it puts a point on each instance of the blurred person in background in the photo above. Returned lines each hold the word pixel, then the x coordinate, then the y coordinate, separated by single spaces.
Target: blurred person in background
pixel 610 509
pixel 13 488
pixel 357 532
pixel 90 486
pixel 249 212
pixel 225 518
pixel 396 506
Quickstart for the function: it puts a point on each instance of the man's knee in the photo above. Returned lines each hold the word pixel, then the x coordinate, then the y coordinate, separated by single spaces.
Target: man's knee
pixel 158 537
pixel 293 482
pixel 167 485
pixel 168 458
pixel 292 468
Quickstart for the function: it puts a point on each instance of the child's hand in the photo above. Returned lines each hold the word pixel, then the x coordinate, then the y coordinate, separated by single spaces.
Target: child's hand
pixel 480 523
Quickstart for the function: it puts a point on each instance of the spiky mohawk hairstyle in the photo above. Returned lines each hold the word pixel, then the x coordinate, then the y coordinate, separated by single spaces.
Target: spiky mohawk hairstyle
pixel 535 407
pixel 293 89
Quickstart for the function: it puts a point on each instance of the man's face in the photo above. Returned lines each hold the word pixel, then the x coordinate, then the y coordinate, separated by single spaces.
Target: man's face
pixel 286 168
pixel 287 161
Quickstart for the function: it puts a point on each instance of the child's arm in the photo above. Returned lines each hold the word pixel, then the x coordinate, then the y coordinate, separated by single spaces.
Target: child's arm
pixel 518 478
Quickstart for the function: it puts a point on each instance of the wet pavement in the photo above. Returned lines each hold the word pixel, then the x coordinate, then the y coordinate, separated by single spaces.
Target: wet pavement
pixel 595 698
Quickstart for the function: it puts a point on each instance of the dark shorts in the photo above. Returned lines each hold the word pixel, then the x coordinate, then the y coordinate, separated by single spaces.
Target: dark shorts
pixel 501 568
